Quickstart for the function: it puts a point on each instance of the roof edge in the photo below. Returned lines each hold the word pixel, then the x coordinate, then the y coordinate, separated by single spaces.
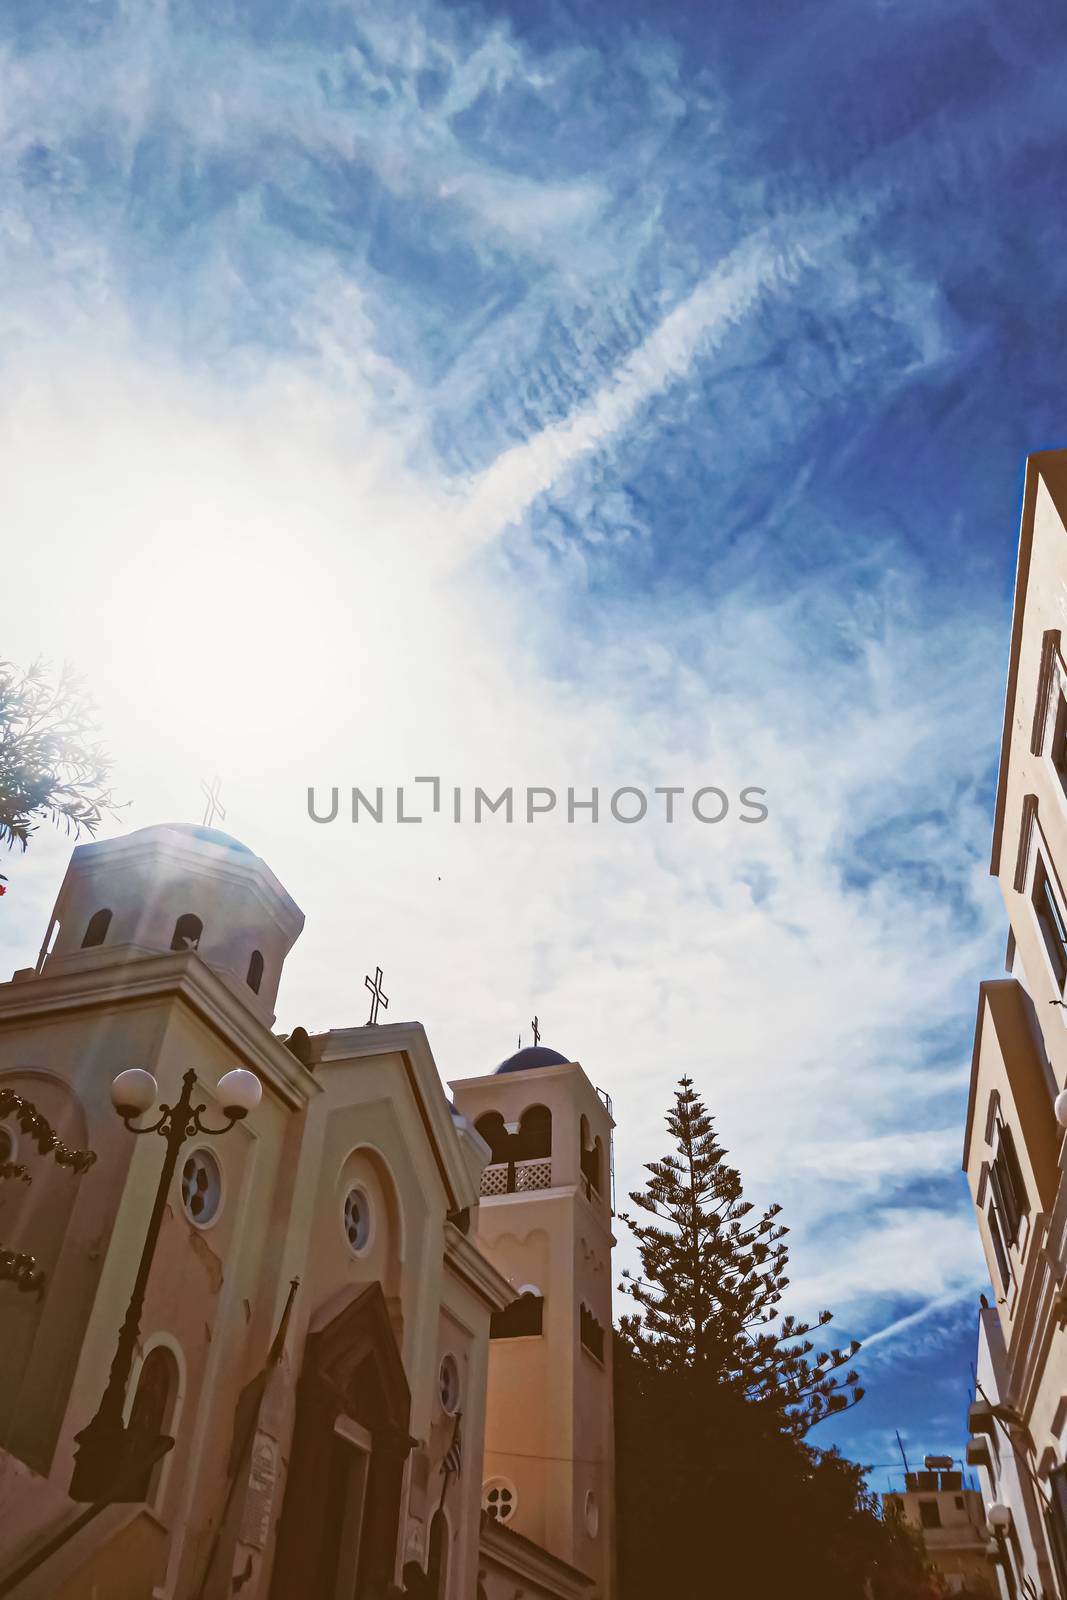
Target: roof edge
pixel 1048 467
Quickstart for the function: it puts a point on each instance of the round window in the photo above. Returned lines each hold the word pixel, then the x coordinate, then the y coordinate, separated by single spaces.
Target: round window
pixel 357 1220
pixel 592 1515
pixel 499 1499
pixel 201 1187
pixel 449 1385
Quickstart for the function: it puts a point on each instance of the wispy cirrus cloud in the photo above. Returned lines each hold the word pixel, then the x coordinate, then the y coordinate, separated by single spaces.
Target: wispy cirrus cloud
pixel 616 400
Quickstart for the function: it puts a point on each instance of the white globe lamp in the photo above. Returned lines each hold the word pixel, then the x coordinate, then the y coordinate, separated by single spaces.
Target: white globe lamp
pixel 998 1517
pixel 239 1092
pixel 1059 1106
pixel 133 1092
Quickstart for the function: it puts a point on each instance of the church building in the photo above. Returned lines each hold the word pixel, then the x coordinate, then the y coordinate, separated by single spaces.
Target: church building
pixel 299 1322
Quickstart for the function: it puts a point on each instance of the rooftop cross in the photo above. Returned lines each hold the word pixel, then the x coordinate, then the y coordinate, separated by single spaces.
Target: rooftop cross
pixel 378 997
pixel 536 1031
pixel 214 807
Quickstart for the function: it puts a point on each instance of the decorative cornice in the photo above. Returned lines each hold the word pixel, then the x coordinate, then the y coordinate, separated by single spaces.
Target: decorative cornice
pixel 468 1263
pixel 529 1561
pixel 183 976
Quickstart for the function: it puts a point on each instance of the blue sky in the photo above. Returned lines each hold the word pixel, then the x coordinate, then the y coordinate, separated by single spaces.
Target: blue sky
pixel 593 395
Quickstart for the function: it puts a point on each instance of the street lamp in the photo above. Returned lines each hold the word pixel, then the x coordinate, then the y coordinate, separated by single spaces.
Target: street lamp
pixel 103 1464
pixel 1059 1107
pixel 998 1517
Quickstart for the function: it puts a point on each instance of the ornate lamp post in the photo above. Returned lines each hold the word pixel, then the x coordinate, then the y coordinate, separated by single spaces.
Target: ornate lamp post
pixel 998 1517
pixel 104 1468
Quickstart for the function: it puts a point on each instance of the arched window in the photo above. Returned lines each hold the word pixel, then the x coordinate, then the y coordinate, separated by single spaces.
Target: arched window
pixel 187 931
pixel 96 932
pixel 534 1139
pixel 522 1319
pixel 590 1158
pixel 150 1415
pixel 591 1332
pixel 491 1127
pixel 255 971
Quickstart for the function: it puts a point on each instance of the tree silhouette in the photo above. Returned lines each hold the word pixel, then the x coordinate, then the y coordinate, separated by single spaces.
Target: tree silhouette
pixel 711 1284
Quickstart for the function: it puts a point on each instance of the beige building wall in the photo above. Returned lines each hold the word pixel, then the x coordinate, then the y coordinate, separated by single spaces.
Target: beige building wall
pixel 1014 1146
pixel 951 1523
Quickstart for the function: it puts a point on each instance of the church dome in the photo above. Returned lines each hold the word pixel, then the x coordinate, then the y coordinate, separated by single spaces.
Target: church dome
pixel 535 1055
pixel 195 830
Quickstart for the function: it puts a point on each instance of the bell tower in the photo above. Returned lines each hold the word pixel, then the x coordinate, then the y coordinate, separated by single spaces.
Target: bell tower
pixel 544 1220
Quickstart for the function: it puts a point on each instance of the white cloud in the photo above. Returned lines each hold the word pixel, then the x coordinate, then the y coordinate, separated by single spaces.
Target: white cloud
pixel 258 582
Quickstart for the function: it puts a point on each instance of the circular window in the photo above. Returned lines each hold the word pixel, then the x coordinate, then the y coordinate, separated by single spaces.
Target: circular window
pixel 592 1515
pixel 201 1187
pixel 448 1385
pixel 357 1220
pixel 499 1499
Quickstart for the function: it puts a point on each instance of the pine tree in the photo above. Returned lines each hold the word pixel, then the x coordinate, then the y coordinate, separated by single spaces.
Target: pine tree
pixel 712 1282
pixel 49 766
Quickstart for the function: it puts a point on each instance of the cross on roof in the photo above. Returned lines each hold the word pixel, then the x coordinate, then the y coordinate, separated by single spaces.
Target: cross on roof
pixel 536 1031
pixel 377 996
pixel 214 807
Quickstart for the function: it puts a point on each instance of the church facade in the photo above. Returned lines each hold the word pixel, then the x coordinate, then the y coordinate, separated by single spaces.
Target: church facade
pixel 373 1352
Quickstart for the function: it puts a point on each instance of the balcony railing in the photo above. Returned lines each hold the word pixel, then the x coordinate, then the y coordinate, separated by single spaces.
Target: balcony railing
pixel 528 1175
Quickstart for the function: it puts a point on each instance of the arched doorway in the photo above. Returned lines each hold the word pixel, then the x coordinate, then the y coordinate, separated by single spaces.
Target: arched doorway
pixel 338 1532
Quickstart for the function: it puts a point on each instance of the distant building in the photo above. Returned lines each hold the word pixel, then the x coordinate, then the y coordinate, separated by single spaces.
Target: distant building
pixel 429 1413
pixel 1014 1145
pixel 951 1520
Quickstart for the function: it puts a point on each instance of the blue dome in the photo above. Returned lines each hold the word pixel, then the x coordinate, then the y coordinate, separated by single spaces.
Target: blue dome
pixel 196 830
pixel 535 1055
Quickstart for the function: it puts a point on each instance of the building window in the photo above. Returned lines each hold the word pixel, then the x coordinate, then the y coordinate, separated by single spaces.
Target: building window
pixel 448 1385
pixel 1058 748
pixel 255 971
pixel 591 1333
pixel 522 1319
pixel 999 1247
pixel 1006 1182
pixel 201 1188
pixel 357 1221
pixel 150 1414
pixel 499 1499
pixel 96 931
pixel 929 1513
pixel 1050 920
pixel 592 1515
pixel 187 931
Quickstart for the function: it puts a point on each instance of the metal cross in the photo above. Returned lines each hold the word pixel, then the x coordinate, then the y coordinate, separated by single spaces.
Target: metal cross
pixel 214 807
pixel 377 996
pixel 536 1031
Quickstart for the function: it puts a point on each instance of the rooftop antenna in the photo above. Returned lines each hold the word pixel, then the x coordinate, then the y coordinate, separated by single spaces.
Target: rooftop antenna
pixel 903 1457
